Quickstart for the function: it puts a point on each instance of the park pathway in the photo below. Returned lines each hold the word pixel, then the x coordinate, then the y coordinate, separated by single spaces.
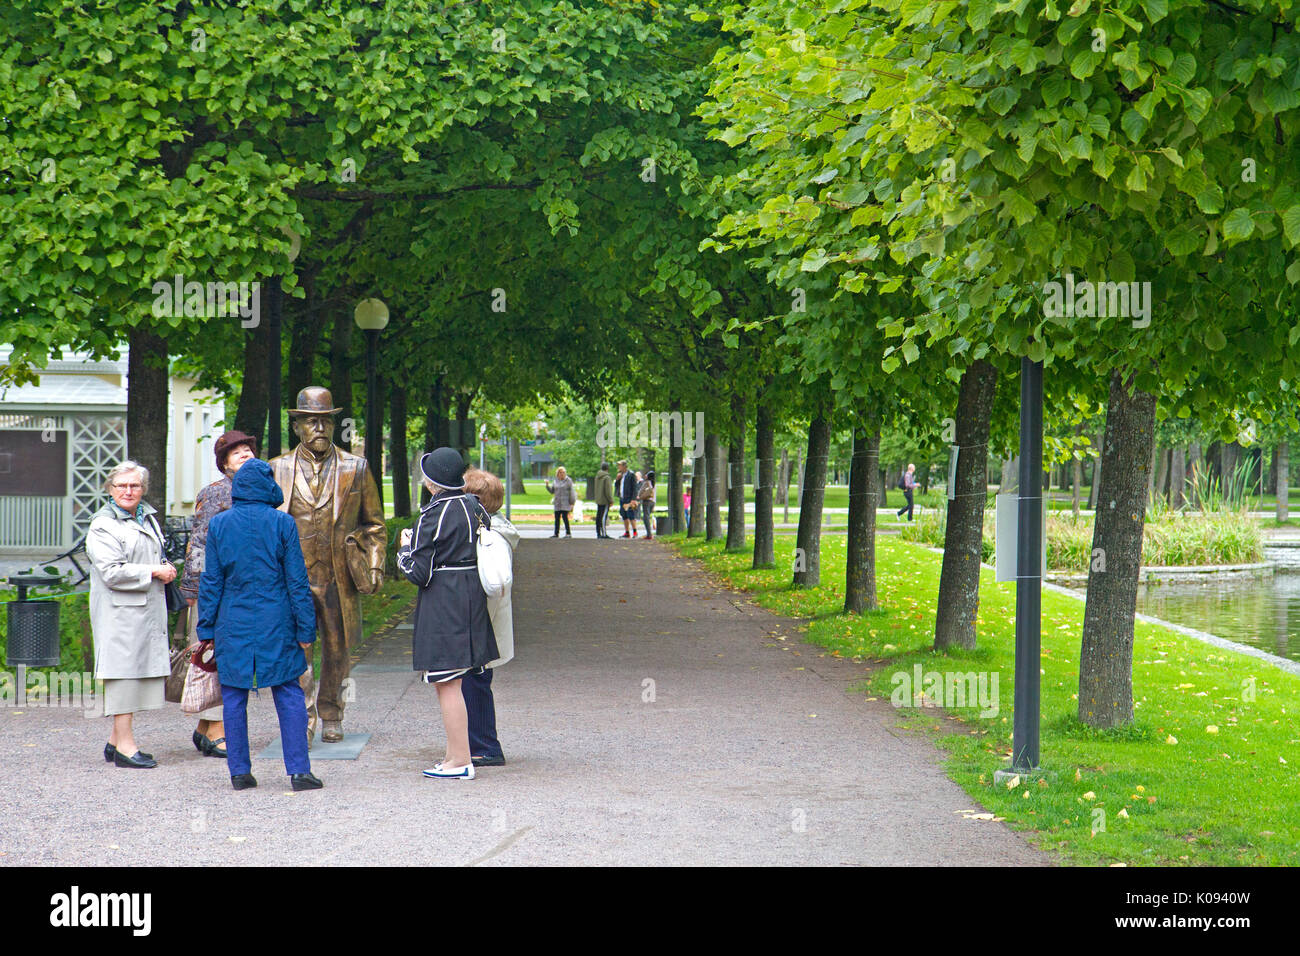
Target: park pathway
pixel 649 718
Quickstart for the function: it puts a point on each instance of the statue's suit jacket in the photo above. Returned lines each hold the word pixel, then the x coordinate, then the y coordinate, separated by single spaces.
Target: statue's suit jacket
pixel 358 526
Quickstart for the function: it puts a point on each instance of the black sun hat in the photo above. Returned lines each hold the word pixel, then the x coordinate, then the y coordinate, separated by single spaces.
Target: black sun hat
pixel 445 468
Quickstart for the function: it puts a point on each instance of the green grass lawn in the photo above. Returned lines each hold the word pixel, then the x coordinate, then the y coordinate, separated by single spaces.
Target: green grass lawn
pixel 1209 773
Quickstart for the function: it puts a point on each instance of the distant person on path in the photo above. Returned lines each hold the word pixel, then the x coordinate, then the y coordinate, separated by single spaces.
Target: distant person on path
pixel 453 631
pixel 686 503
pixel 484 747
pixel 255 605
pixel 625 485
pixel 646 495
pixel 231 450
pixel 604 498
pixel 128 609
pixel 563 498
pixel 908 484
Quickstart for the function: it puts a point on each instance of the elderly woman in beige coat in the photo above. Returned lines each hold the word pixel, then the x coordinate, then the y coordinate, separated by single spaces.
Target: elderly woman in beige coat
pixel 128 609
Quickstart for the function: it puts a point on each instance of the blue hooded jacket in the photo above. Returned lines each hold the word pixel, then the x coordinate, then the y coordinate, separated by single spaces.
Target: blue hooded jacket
pixel 254 599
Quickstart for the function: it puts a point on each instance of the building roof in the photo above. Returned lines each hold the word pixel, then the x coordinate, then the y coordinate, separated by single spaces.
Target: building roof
pixel 64 389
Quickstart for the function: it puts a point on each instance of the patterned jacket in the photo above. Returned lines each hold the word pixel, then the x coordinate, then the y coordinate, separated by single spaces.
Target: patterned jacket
pixel 212 500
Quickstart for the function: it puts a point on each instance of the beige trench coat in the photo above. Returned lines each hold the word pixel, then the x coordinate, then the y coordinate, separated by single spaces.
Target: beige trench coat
pixel 499 609
pixel 128 606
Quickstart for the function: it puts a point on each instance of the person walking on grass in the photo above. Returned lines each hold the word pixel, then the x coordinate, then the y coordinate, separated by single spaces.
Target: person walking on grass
pixel 563 500
pixel 908 484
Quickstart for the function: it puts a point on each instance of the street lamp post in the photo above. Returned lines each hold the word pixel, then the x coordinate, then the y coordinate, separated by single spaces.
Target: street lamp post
pixel 371 315
pixel 1029 571
pixel 275 355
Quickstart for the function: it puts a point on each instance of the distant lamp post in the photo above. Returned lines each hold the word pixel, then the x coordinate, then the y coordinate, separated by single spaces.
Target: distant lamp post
pixel 371 315
pixel 275 355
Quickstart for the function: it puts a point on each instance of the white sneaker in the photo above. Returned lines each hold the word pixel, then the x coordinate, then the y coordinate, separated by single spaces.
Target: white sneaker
pixel 457 773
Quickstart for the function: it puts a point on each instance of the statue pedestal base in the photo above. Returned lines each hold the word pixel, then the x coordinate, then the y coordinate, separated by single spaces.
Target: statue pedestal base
pixel 349 748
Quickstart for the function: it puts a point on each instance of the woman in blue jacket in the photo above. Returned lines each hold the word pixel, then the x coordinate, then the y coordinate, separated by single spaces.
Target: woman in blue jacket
pixel 256 606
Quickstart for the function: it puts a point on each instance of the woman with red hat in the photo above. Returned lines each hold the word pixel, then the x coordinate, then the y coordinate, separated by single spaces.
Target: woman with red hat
pixel 231 450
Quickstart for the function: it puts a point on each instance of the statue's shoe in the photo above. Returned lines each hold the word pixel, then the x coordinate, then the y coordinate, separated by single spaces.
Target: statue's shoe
pixel 333 731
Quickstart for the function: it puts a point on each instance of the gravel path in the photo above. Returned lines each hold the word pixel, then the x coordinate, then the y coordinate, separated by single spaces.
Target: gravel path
pixel 750 752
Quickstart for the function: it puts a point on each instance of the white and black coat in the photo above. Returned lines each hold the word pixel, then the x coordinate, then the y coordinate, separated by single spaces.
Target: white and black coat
pixel 452 626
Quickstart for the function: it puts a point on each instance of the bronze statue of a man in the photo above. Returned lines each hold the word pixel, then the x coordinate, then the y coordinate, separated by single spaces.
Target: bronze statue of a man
pixel 333 498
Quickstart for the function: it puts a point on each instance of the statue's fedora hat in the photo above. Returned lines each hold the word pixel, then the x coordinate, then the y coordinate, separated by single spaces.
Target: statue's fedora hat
pixel 314 400
pixel 445 468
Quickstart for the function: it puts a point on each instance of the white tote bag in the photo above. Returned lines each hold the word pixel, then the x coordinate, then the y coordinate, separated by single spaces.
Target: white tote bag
pixel 577 509
pixel 494 562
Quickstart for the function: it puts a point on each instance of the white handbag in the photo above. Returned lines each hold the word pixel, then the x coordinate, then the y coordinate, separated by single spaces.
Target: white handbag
pixel 495 571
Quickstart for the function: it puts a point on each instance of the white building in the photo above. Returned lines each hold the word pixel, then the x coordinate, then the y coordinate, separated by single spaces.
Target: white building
pixel 60 438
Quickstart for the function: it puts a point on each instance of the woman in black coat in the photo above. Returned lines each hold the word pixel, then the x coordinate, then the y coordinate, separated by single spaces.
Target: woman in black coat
pixel 453 632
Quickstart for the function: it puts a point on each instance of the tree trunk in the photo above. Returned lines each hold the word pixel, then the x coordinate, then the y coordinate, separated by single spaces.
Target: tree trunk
pixel 341 376
pixel 959 581
pixel 1195 469
pixel 464 440
pixel 1177 478
pixel 713 500
pixel 699 472
pixel 860 561
pixel 1096 474
pixel 1076 484
pixel 516 469
pixel 1282 458
pixel 736 475
pixel 812 492
pixel 764 486
pixel 676 516
pixel 148 410
pixel 781 494
pixel 250 415
pixel 398 451
pixel 1106 658
pixel 1162 473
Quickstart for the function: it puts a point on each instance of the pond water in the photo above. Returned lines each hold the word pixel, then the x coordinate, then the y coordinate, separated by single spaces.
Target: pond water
pixel 1263 613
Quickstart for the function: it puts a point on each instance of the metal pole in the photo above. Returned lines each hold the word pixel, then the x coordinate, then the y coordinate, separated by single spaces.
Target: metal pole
pixel 374 427
pixel 506 442
pixel 274 406
pixel 1029 570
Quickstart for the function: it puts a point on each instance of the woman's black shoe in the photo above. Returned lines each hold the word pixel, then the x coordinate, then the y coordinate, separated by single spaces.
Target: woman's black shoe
pixel 110 750
pixel 198 741
pixel 214 748
pixel 243 781
pixel 139 760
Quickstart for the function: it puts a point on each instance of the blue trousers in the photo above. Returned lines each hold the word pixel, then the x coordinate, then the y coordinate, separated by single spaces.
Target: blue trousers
pixel 290 707
pixel 482 712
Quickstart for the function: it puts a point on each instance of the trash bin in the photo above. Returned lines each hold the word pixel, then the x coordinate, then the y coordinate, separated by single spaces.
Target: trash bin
pixel 661 524
pixel 33 625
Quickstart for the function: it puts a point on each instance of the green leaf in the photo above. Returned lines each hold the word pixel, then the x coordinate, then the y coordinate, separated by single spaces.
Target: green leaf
pixel 1238 224
pixel 1291 224
pixel 1054 88
pixel 1293 276
pixel 1215 340
pixel 1133 124
pixel 1085 62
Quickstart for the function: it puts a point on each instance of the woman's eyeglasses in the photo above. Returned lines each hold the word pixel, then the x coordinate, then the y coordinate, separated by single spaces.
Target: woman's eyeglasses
pixel 121 487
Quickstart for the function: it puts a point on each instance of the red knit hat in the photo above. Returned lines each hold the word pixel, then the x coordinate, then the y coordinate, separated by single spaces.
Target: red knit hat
pixel 228 443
